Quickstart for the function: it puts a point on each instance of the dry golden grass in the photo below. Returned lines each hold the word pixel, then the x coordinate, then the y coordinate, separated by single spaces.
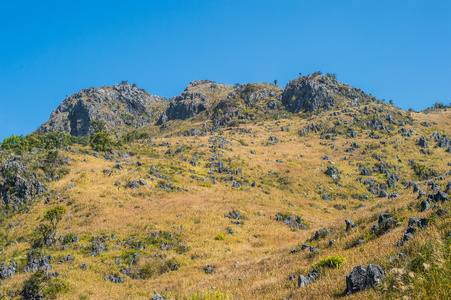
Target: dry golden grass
pixel 261 245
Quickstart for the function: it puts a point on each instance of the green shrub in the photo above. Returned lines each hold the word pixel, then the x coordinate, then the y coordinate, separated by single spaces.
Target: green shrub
pixel 135 135
pixel 219 237
pixel 102 142
pixel 208 185
pixel 332 262
pixel 68 238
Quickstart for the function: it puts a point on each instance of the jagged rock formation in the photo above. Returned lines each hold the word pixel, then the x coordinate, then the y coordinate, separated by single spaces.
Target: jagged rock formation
pixel 124 104
pixel 249 95
pixel 360 279
pixel 17 185
pixel 117 105
pixel 198 96
pixel 310 93
pixel 254 92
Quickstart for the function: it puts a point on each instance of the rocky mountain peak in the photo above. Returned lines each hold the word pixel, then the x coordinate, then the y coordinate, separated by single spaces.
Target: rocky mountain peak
pixel 196 83
pixel 310 93
pixel 121 104
pixel 197 97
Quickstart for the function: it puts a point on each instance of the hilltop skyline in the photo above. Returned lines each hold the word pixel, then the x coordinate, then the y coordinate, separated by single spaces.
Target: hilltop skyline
pixel 395 51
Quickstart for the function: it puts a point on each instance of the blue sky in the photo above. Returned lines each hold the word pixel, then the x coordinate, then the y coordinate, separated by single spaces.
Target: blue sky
pixel 396 50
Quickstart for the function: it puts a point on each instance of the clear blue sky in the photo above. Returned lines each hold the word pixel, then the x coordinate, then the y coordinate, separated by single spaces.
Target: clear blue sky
pixel 398 50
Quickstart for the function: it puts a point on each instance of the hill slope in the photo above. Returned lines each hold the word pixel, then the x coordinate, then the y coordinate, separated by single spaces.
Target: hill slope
pixel 250 200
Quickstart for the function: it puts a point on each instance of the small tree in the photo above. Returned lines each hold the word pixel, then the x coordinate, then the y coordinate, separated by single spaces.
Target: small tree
pixel 44 230
pixel 391 102
pixel 275 82
pixel 55 215
pixel 102 142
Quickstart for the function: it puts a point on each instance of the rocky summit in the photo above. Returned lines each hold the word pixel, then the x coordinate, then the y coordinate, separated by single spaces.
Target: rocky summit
pixel 315 190
pixel 121 104
pixel 198 96
pixel 126 105
pixel 311 93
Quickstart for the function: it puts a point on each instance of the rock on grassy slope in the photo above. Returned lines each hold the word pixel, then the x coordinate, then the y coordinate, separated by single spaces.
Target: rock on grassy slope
pixel 256 209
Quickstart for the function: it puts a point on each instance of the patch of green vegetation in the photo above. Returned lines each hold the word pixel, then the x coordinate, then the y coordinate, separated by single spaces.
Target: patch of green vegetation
pixel 331 262
pixel 101 141
pixel 208 185
pixel 68 238
pixel 209 295
pixel 40 283
pixel 219 237
pixel 135 135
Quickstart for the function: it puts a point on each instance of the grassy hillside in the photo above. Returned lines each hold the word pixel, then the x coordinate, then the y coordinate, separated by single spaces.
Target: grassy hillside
pixel 165 230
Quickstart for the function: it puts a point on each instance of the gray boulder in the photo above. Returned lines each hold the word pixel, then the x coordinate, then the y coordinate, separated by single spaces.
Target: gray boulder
pixel 360 279
pixel 349 224
pixel 374 275
pixel 356 280
pixel 306 280
pixel 332 172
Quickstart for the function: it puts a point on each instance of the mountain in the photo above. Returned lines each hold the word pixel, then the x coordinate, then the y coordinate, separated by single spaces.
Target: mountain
pixel 311 93
pixel 313 191
pixel 198 96
pixel 115 106
pixel 126 105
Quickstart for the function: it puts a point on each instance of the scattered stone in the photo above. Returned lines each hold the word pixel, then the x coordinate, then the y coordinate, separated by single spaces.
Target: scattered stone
pixel 425 206
pixel 208 269
pixel 134 185
pixel 114 279
pixel 349 224
pixel 332 172
pixel 306 280
pixel 38 262
pixel 8 270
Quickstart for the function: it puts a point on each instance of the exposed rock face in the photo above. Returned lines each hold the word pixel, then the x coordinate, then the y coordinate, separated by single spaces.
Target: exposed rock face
pixel 17 185
pixel 254 92
pixel 311 93
pixel 198 96
pixel 360 279
pixel 117 105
